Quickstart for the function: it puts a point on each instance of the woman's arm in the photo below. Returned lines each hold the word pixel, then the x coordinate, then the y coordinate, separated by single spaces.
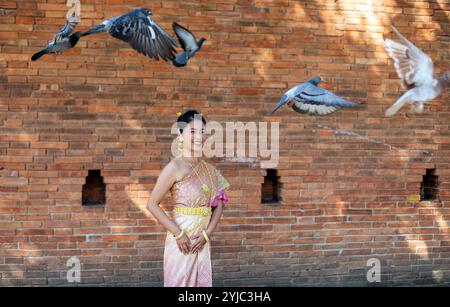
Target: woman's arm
pixel 215 218
pixel 163 184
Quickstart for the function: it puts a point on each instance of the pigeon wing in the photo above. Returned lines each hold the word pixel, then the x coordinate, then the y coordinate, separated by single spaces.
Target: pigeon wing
pixel 312 108
pixel 66 30
pixel 185 37
pixel 407 97
pixel 144 35
pixel 321 96
pixel 413 66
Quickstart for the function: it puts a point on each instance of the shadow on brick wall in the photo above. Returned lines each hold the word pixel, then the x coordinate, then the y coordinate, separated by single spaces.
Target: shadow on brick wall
pixel 113 109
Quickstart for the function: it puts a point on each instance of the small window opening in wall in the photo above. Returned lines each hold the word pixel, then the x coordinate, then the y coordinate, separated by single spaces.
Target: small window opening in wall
pixel 94 189
pixel 429 187
pixel 270 191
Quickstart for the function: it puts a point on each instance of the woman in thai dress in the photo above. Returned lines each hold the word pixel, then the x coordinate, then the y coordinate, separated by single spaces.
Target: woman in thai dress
pixel 198 190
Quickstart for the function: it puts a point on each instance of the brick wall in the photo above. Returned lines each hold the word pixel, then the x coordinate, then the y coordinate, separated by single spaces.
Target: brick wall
pixel 348 181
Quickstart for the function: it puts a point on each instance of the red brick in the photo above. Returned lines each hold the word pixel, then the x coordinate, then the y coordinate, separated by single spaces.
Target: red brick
pixel 101 105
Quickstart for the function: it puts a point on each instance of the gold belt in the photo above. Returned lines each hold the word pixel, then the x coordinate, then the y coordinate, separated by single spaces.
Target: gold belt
pixel 204 211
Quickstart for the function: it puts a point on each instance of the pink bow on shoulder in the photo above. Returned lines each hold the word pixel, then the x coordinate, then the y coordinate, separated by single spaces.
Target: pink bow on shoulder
pixel 221 196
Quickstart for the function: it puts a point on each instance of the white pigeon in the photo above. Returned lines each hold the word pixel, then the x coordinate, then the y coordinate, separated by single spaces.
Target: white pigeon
pixel 416 70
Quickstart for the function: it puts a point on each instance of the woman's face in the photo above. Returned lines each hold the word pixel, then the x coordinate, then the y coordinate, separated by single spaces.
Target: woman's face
pixel 193 136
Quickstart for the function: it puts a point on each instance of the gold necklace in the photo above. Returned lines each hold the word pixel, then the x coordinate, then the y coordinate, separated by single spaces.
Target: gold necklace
pixel 205 187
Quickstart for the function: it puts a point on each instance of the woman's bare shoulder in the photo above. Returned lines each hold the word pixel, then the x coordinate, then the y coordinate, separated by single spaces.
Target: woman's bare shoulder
pixel 178 167
pixel 176 163
pixel 173 165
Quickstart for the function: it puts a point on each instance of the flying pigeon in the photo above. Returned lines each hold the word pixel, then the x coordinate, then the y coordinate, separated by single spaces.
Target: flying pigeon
pixel 416 70
pixel 313 100
pixel 189 44
pixel 63 40
pixel 141 32
pixel 67 30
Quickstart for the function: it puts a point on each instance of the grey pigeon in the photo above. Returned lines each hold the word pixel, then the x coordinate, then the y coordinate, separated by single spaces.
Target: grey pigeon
pixel 416 70
pixel 189 44
pixel 141 32
pixel 63 40
pixel 67 30
pixel 313 100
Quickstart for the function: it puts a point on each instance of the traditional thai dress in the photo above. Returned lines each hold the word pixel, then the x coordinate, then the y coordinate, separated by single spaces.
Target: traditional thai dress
pixel 195 196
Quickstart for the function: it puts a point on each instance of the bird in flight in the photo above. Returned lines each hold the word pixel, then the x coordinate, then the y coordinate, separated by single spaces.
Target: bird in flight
pixel 189 44
pixel 309 98
pixel 65 39
pixel 141 32
pixel 416 70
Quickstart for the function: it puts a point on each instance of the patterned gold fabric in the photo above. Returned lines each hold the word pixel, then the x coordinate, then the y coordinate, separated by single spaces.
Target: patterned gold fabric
pixel 193 194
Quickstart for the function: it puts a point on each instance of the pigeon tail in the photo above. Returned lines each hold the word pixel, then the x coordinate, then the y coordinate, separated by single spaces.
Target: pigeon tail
pixel 358 105
pixel 345 103
pixel 37 55
pixel 282 101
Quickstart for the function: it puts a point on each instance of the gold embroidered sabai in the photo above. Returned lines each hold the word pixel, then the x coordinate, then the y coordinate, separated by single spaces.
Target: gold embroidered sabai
pixel 192 196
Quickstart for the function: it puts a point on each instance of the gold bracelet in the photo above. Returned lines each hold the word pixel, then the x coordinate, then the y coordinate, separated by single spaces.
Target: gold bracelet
pixel 180 235
pixel 205 235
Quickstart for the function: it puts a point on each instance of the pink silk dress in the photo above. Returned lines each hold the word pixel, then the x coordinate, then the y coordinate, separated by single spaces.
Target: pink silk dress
pixel 202 188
